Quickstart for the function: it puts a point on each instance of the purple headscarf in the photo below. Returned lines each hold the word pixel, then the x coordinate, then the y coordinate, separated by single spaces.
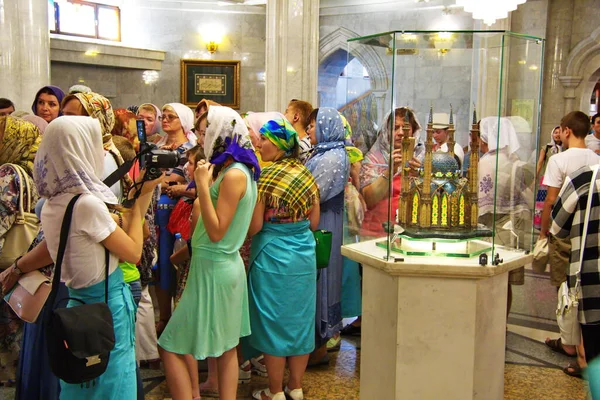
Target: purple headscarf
pixel 54 89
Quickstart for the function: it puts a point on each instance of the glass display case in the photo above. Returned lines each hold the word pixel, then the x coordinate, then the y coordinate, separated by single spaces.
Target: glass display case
pixel 451 172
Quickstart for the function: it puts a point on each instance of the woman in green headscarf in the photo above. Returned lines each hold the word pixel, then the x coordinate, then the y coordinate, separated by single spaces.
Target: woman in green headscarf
pixel 282 261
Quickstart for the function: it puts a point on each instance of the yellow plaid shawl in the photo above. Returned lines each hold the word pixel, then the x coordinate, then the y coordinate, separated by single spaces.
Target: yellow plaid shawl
pixel 289 184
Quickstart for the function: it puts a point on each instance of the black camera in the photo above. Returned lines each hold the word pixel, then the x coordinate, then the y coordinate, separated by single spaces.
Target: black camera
pixel 153 159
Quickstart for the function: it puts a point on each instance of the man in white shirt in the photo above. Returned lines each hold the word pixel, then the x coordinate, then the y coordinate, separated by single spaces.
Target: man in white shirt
pixel 574 128
pixel 441 123
pixel 592 141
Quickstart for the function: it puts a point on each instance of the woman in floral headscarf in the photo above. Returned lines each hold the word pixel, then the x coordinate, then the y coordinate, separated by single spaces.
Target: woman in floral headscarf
pixel 18 145
pixel 283 261
pixel 99 107
pixel 125 126
pixel 330 165
pixel 212 313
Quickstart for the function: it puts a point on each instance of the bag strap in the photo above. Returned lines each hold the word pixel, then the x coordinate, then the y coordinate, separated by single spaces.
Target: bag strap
pixel 585 224
pixel 107 260
pixel 24 187
pixel 64 236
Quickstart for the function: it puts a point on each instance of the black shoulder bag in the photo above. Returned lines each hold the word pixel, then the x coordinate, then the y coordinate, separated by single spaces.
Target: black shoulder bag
pixel 80 338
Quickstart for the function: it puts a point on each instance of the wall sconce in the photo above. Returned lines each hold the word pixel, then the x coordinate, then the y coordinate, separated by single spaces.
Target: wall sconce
pixel 212 47
pixel 212 36
pixel 442 41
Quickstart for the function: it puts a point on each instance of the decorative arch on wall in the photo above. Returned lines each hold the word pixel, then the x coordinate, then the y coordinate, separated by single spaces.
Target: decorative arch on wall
pixel 582 72
pixel 337 40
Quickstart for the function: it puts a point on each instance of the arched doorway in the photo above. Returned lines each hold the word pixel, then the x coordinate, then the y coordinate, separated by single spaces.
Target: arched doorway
pixel 356 84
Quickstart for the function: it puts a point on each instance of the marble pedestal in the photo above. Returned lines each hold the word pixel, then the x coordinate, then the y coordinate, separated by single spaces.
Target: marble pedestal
pixel 432 328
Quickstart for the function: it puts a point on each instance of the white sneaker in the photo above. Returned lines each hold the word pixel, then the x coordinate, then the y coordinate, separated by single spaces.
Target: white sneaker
pixel 295 394
pixel 245 373
pixel 258 367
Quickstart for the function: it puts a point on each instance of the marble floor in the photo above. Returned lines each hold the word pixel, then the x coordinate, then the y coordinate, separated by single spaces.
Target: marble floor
pixel 532 371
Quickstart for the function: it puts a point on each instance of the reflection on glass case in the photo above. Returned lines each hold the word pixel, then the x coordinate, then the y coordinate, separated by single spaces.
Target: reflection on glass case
pixel 451 171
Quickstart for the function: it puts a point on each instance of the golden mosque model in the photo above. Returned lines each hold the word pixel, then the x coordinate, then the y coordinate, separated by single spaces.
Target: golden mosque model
pixel 437 201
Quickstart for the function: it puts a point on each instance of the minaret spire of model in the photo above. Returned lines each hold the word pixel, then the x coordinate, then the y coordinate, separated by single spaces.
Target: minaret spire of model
pixel 451 141
pixel 473 168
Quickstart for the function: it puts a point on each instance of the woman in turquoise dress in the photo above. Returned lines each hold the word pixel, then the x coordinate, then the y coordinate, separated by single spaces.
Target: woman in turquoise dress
pixel 212 314
pixel 282 261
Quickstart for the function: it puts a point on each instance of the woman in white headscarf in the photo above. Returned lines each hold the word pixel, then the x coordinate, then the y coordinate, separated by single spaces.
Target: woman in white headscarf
pixel 177 122
pixel 375 174
pixel 212 313
pixel 69 161
pixel 499 140
pixel 503 195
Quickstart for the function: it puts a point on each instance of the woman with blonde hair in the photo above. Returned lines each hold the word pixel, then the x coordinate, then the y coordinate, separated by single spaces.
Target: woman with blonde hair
pixel 151 115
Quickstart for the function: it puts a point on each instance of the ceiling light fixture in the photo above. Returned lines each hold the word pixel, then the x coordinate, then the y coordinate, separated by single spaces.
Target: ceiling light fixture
pixel 489 10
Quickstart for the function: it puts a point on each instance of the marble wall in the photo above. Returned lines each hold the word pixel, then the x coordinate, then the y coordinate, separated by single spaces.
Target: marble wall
pixel 177 28
pixel 425 78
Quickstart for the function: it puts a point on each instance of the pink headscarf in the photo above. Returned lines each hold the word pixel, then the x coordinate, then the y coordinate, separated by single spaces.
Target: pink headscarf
pixel 37 121
pixel 156 128
pixel 255 121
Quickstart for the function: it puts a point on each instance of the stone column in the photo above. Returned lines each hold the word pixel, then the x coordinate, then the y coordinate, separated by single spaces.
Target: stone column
pixel 292 52
pixel 24 50
pixel 558 46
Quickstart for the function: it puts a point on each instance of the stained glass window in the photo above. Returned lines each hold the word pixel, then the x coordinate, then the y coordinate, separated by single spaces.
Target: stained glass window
pixel 444 210
pixel 415 209
pixel 461 210
pixel 435 206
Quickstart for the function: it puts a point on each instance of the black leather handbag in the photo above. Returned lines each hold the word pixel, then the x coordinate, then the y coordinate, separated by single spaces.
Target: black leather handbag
pixel 79 338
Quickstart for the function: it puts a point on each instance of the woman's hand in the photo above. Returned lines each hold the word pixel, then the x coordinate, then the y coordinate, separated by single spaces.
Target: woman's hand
pixel 414 164
pixel 397 158
pixel 203 173
pixel 8 279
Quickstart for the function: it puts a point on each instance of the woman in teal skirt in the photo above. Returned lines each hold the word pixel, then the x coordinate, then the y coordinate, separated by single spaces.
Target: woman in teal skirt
pixel 282 276
pixel 69 162
pixel 212 314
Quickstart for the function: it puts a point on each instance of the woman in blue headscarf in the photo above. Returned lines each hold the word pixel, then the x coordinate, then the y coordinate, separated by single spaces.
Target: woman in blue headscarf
pixel 47 103
pixel 330 167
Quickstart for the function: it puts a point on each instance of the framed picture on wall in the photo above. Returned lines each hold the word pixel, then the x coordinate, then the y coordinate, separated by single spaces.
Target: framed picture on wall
pixel 212 80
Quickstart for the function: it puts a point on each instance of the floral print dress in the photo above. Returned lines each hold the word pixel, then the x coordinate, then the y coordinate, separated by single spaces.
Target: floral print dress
pixel 11 327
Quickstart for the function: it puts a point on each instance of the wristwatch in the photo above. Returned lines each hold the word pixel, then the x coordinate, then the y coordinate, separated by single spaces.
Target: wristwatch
pixel 16 268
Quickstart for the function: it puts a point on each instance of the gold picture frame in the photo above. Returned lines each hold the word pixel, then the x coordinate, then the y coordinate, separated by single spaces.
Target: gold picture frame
pixel 212 80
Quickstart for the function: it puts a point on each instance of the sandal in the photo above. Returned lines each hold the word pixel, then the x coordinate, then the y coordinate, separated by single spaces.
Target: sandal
pixel 208 391
pixel 259 393
pixel 334 344
pixel 350 330
pixel 573 369
pixel 557 346
pixel 295 394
